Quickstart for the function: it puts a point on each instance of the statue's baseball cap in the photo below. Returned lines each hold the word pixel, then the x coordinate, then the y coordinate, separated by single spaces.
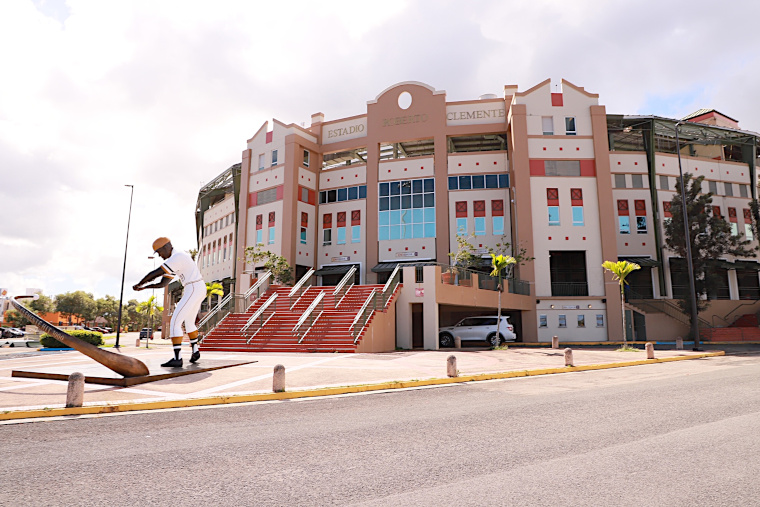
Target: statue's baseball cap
pixel 160 242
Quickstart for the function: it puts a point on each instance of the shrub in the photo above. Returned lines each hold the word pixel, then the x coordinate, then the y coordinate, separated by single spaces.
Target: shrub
pixel 92 337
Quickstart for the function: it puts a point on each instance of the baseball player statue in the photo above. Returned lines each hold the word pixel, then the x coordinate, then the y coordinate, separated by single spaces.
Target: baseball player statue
pixel 179 265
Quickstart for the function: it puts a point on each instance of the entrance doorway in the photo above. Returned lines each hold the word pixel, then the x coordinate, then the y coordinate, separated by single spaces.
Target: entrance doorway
pixel 418 329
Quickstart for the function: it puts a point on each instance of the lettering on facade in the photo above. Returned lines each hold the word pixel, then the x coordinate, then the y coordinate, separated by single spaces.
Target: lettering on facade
pixel 403 120
pixel 571 307
pixel 407 254
pixel 345 131
pixel 476 115
pixel 340 259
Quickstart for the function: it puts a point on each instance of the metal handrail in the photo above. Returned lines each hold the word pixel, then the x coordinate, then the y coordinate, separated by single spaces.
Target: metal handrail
pixel 393 282
pixel 356 332
pixel 665 306
pixel 308 315
pixel 255 287
pixel 259 314
pixel 339 288
pixel 213 312
pixel 299 288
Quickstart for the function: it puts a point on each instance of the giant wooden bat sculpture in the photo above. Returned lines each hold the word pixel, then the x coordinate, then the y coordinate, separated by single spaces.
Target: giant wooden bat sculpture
pixel 123 365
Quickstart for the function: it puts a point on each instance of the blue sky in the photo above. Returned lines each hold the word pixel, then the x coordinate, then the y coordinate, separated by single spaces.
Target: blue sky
pixel 164 94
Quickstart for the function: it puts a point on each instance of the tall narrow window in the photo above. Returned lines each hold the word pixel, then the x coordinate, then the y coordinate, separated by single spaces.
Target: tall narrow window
pixel 304 226
pixel 576 199
pixel 581 321
pixel 327 229
pixel 356 226
pixel 259 229
pixel 562 320
pixel 461 216
pixel 570 126
pixel 271 227
pixel 599 320
pixel 274 157
pixel 261 162
pixel 552 201
pixel 306 156
pixel 748 224
pixel 640 206
pixel 743 192
pixel 497 216
pixel 542 321
pixel 547 125
pixel 664 184
pixel 637 181
pixel 341 216
pixel 479 211
pixel 734 221
pixel 624 221
pixel 620 181
pixel 712 187
pixel 729 189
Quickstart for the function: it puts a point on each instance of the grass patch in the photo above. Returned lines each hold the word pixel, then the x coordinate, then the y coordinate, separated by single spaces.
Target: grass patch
pixel 627 348
pixel 501 347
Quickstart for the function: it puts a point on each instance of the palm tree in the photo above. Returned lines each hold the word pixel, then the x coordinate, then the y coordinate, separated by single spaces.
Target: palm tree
pixel 620 270
pixel 500 263
pixel 150 308
pixel 213 289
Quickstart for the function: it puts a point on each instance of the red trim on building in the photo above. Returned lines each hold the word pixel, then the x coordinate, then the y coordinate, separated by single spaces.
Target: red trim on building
pixel 552 197
pixel 557 99
pixel 732 215
pixel 640 206
pixel 327 221
pixel 341 216
pixel 269 137
pixel 461 209
pixel 666 209
pixel 271 219
pixel 497 208
pixel 622 206
pixel 479 208
pixel 259 222
pixel 747 216
pixel 716 211
pixel 537 168
pixel 588 167
pixel 252 199
pixel 280 192
pixel 576 196
pixel 304 219
pixel 356 217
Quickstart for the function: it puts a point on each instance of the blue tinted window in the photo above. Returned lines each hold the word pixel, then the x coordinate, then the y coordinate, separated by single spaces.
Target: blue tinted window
pixel 492 181
pixel 395 187
pixel 429 185
pixel 418 216
pixel 498 226
pixel 406 202
pixel 429 230
pixel 577 215
pixel 395 232
pixel 453 183
pixel 395 217
pixel 332 196
pixel 363 192
pixel 385 203
pixel 353 193
pixel 356 233
pixel 418 230
pixel 406 187
pixel 553 215
pixel 384 189
pixel 503 181
pixel 479 181
pixel 417 200
pixel 417 186
pixel 429 214
pixel 461 226
pixel 465 182
pixel 384 233
pixel 480 226
pixel 429 200
pixel 322 197
pixel 407 232
pixel 406 217
pixel 342 194
pixel 384 218
pixel 395 202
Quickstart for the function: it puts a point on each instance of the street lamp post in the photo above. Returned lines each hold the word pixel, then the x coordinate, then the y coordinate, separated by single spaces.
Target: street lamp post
pixel 124 269
pixel 687 237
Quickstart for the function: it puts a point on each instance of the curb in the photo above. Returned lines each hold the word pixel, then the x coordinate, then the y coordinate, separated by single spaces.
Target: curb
pixel 327 391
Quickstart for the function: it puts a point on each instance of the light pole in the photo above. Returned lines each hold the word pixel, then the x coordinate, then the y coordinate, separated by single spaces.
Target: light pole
pixel 687 237
pixel 124 269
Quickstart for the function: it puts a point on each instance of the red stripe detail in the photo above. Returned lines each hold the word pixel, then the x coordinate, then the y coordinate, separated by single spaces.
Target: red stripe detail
pixel 557 99
pixel 588 167
pixel 537 168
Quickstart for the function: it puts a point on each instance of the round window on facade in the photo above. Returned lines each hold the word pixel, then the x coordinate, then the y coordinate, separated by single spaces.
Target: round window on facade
pixel 404 100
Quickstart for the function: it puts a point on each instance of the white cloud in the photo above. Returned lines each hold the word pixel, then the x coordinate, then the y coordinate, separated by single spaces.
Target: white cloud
pixel 163 95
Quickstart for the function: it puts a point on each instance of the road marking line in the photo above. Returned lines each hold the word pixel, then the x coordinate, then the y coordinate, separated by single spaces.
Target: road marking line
pixel 216 389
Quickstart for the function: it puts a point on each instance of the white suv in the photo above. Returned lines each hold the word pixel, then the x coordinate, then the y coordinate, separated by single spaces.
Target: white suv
pixel 478 329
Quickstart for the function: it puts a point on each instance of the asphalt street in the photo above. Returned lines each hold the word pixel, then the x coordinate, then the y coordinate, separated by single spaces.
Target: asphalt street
pixel 674 434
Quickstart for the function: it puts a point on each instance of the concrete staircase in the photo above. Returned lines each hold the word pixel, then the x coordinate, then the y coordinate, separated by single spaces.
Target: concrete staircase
pixel 331 332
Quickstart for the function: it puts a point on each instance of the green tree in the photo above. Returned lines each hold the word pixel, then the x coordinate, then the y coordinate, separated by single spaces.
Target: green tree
pixel 108 308
pixel 14 319
pixel 134 318
pixel 213 289
pixel 277 264
pixel 620 270
pixel 519 254
pixel 193 253
pixel 710 237
pixel 465 256
pixel 43 304
pixel 149 309
pixel 500 263
pixel 79 303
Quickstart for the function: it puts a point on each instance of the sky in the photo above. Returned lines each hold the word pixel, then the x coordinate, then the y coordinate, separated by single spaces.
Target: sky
pixel 162 95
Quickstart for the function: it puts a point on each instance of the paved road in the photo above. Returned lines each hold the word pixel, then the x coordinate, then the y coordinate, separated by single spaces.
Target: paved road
pixel 671 434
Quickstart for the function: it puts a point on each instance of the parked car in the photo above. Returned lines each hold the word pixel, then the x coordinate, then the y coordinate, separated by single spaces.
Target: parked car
pixel 146 333
pixel 478 329
pixel 12 332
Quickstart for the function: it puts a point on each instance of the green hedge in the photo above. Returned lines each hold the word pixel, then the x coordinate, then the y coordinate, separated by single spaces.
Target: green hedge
pixel 87 336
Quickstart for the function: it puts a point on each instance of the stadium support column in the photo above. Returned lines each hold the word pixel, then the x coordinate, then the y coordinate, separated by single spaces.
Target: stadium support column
pixel 241 236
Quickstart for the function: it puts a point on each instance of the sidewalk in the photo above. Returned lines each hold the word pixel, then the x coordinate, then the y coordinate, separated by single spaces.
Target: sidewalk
pixel 315 374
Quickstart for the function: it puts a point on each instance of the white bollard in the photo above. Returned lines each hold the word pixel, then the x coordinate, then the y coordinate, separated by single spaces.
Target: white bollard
pixel 679 343
pixel 650 350
pixel 278 379
pixel 75 391
pixel 458 342
pixel 451 366
pixel 137 343
pixel 569 357
pixel 555 342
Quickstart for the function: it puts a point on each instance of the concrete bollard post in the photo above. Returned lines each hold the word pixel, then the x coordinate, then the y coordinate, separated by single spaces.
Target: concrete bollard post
pixel 75 391
pixel 137 343
pixel 451 366
pixel 650 350
pixel 278 379
pixel 679 343
pixel 555 342
pixel 458 342
pixel 569 357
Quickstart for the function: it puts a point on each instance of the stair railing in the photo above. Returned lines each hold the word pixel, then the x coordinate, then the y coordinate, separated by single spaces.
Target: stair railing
pixel 308 319
pixel 256 288
pixel 390 287
pixel 260 318
pixel 362 317
pixel 298 289
pixel 665 306
pixel 342 288
pixel 215 316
